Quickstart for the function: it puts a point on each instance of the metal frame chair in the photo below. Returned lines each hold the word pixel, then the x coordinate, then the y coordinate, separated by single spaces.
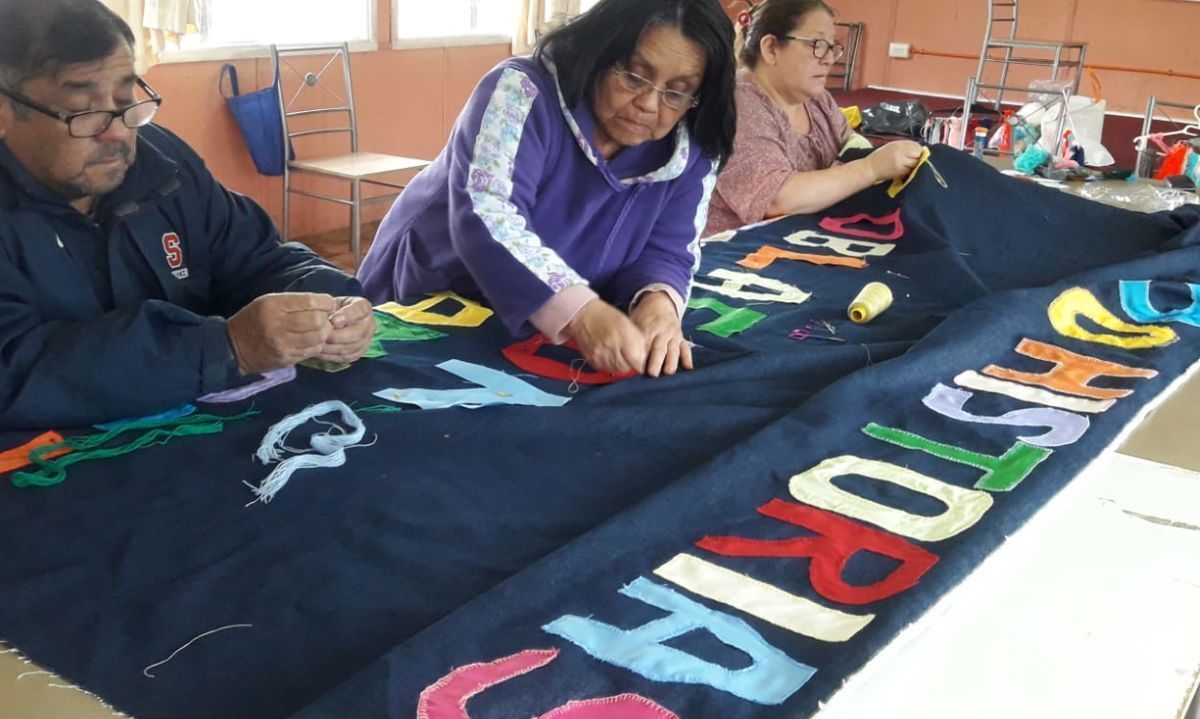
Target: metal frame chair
pixel 1001 35
pixel 357 168
pixel 843 70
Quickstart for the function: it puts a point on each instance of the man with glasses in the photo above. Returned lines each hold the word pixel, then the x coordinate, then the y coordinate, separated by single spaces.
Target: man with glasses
pixel 130 280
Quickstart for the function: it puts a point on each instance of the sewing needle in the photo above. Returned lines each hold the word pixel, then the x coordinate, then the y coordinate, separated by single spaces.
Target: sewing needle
pixel 937 175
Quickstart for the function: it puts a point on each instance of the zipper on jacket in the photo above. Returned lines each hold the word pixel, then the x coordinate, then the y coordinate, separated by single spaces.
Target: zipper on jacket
pixel 608 242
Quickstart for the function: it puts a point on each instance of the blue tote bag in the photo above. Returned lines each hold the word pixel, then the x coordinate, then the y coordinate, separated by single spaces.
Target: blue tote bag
pixel 257 114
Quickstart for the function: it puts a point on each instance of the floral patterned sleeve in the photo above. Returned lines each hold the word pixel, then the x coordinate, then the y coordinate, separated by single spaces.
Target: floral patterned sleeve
pixel 497 152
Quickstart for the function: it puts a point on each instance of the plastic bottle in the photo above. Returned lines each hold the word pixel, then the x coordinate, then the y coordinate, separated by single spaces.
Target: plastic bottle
pixel 981 134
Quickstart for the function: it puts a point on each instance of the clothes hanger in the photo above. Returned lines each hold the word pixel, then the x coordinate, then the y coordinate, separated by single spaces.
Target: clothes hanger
pixel 1194 128
pixel 1191 130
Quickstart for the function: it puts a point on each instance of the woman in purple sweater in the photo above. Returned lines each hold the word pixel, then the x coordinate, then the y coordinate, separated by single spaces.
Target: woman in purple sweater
pixel 575 184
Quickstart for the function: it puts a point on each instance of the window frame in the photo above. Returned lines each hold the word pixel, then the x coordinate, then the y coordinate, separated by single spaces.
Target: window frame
pixel 447 40
pixel 263 50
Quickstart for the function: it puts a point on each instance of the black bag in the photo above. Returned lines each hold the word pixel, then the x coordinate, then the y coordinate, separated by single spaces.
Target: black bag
pixel 906 117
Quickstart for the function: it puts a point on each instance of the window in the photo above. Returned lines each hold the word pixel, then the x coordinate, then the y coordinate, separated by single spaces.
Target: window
pixel 421 19
pixel 453 18
pixel 227 23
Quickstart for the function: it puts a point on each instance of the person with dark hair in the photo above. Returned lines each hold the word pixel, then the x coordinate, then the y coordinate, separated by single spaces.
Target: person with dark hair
pixel 575 184
pixel 790 130
pixel 120 255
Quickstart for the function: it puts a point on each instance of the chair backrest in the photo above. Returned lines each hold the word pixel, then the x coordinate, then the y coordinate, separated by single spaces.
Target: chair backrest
pixel 1002 20
pixel 841 76
pixel 316 94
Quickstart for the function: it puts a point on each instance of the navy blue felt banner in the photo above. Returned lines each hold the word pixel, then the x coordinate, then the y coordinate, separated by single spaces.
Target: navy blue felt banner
pixel 687 544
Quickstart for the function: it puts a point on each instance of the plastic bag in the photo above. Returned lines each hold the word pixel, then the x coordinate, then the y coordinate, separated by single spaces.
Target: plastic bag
pixel 1085 119
pixel 895 118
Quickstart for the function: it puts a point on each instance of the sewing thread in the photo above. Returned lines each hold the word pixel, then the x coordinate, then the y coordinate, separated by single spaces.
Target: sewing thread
pixel 146 671
pixel 329 446
pixel 871 301
pixel 52 470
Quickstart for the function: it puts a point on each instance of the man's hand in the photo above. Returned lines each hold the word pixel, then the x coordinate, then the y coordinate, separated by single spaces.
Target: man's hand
pixel 353 329
pixel 656 317
pixel 609 341
pixel 279 330
pixel 895 159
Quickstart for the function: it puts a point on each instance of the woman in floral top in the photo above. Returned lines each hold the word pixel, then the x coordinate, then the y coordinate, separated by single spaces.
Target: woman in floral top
pixel 790 130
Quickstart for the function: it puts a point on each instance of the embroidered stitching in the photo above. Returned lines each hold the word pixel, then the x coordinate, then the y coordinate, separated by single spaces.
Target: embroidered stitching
pixel 842 225
pixel 733 282
pixel 1066 376
pixel 840 245
pixel 472 314
pixel 1001 474
pixel 521 663
pixel 730 320
pixel 765 256
pixel 1135 300
pixel 1036 395
pixel 765 601
pixel 617 707
pixel 1078 301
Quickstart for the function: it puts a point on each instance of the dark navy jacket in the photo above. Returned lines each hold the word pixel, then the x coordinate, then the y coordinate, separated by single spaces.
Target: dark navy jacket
pixel 122 314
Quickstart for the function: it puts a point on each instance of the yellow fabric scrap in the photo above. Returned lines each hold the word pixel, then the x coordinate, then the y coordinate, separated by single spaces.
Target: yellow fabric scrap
pixel 898 185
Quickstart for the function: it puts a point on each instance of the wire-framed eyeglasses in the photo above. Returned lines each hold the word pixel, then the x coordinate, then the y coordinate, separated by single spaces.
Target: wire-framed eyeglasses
pixel 820 46
pixel 639 85
pixel 91 123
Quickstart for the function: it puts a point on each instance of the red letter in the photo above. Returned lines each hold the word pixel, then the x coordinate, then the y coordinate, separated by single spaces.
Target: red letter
pixel 524 355
pixel 838 539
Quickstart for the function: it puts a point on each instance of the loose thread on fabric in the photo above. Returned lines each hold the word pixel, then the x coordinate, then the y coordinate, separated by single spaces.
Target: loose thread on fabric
pixel 329 446
pixel 378 409
pixel 169 415
pixel 576 373
pixel 24 660
pixel 53 471
pixel 95 697
pixel 269 380
pixel 146 671
pixel 91 441
pixel 22 675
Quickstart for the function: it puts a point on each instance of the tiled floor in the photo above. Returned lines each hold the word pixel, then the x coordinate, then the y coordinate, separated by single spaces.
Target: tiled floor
pixel 335 245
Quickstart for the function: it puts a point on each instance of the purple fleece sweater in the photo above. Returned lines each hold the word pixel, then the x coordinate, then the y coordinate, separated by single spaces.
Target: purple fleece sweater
pixel 521 207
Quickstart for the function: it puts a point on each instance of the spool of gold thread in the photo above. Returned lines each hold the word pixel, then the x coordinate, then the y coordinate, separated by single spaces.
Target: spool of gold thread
pixel 872 300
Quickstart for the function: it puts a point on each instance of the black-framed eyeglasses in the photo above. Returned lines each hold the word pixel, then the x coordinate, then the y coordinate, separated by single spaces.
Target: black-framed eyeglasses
pixel 639 85
pixel 91 123
pixel 820 46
